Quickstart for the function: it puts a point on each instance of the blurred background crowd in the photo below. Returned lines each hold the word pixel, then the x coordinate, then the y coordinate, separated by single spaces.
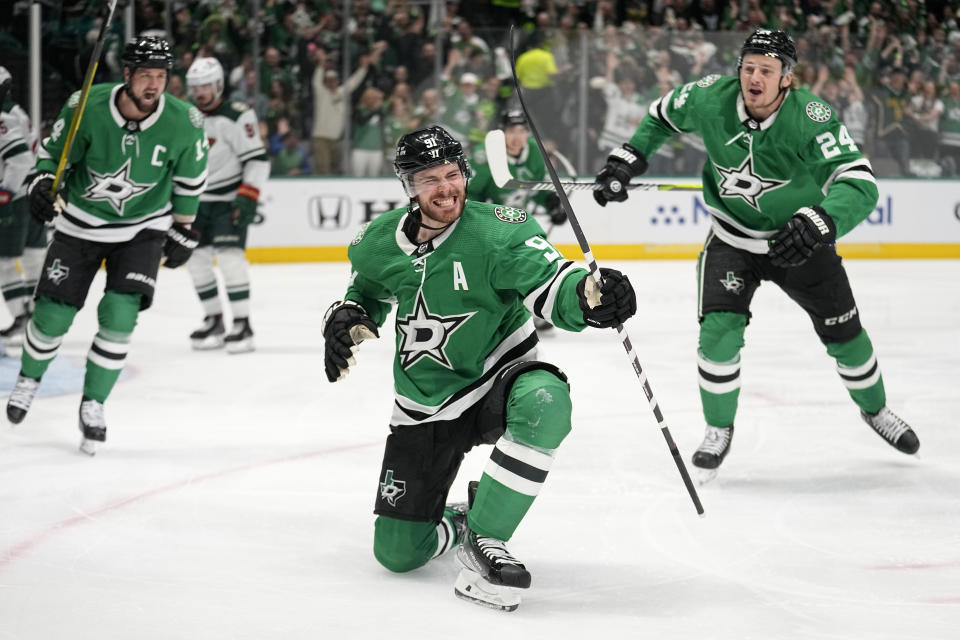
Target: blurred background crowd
pixel 336 82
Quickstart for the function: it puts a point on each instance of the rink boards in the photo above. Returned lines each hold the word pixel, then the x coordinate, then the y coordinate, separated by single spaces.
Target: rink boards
pixel 314 219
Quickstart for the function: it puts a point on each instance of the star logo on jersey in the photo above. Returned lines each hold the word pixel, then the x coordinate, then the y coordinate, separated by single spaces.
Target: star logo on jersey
pixel 116 188
pixel 743 182
pixel 392 490
pixel 732 284
pixel 426 334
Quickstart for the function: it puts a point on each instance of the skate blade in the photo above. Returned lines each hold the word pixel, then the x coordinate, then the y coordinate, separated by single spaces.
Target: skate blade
pixel 243 346
pixel 472 587
pixel 704 476
pixel 207 344
pixel 89 447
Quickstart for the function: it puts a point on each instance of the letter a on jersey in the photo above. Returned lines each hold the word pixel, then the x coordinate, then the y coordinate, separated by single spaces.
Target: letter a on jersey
pixel 427 334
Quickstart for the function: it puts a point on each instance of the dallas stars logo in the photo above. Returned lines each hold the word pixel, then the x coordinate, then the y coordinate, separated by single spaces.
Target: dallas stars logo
pixel 56 272
pixel 116 188
pixel 742 182
pixel 732 284
pixel 426 334
pixel 392 490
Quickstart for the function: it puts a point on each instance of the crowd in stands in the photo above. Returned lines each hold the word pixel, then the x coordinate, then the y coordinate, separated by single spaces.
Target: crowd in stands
pixel 890 69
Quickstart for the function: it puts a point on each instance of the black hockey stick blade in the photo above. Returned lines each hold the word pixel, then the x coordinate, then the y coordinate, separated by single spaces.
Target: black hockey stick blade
pixel 595 272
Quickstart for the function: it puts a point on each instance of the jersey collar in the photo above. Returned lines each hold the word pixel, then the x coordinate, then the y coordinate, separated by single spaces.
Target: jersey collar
pixel 144 124
pixel 420 250
pixel 749 122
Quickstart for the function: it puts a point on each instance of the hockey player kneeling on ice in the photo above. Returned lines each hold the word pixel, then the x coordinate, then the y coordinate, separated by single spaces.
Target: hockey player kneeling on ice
pixel 238 170
pixel 783 180
pixel 466 277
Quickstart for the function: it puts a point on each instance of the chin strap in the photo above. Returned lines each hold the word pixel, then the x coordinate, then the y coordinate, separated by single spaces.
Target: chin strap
pixel 414 222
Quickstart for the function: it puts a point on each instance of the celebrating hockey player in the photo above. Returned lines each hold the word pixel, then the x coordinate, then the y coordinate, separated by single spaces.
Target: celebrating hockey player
pixel 783 179
pixel 466 277
pixel 21 237
pixel 238 169
pixel 136 170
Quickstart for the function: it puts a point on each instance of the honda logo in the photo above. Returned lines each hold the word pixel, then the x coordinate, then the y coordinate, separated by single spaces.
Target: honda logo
pixel 328 212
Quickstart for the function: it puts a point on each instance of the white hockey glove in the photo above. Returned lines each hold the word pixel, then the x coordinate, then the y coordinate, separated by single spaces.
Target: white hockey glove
pixel 345 325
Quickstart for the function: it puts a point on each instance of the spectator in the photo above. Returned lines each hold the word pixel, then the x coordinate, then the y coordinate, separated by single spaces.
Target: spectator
pixel 890 101
pixel 925 110
pixel 950 131
pixel 291 160
pixel 460 108
pixel 328 111
pixel 368 134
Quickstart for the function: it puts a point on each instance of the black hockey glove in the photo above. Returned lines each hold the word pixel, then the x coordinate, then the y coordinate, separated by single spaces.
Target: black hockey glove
pixel 181 241
pixel 555 211
pixel 622 165
pixel 809 229
pixel 345 325
pixel 44 206
pixel 610 304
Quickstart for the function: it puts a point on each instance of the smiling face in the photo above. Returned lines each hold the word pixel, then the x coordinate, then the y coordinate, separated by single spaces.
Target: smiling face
pixel 761 82
pixel 441 192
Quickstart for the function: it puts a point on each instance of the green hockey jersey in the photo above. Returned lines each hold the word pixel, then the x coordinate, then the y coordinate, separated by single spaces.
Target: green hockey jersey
pixel 758 174
pixel 464 302
pixel 123 177
pixel 528 166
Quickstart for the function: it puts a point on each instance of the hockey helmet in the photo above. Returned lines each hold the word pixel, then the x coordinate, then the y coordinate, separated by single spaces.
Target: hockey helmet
pixel 147 51
pixel 425 149
pixel 776 44
pixel 513 117
pixel 206 71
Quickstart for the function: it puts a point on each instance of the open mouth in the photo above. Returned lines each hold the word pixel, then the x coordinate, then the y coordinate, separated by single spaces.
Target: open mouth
pixel 755 92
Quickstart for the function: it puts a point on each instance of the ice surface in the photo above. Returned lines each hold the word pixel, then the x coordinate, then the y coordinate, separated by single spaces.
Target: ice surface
pixel 233 498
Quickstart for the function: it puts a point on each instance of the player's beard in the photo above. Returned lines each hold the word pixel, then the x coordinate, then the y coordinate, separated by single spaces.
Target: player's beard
pixel 143 107
pixel 433 210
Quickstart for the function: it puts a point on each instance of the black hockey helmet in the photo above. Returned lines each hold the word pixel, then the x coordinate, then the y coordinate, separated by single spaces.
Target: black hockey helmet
pixel 424 149
pixel 776 44
pixel 6 80
pixel 513 117
pixel 147 51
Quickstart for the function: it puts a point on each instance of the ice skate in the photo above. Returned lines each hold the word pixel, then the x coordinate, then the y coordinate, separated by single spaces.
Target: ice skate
pixel 490 575
pixel 210 335
pixel 13 335
pixel 240 339
pixel 893 429
pixel 24 391
pixel 92 426
pixel 711 452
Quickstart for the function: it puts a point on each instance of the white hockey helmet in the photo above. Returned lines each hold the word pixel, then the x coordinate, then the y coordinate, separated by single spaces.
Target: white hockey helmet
pixel 206 71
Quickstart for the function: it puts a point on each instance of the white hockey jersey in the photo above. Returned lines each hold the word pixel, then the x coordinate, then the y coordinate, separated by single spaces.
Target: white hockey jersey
pixel 237 155
pixel 17 145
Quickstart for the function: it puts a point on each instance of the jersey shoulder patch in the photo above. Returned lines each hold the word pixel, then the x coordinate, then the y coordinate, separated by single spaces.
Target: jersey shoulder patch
pixel 74 99
pixel 479 156
pixel 196 117
pixel 818 111
pixel 706 81
pixel 512 215
pixel 363 230
pixel 239 107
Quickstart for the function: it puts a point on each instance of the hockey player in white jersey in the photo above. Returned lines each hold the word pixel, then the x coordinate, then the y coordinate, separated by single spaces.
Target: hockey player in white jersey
pixel 21 237
pixel 238 169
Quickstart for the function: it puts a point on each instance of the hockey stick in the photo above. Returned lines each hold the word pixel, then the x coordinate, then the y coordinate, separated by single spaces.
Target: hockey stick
pixel 496 147
pixel 84 92
pixel 595 273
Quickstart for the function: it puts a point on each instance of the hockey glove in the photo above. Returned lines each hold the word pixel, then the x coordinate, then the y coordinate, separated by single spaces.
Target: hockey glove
pixel 622 165
pixel 245 205
pixel 555 211
pixel 44 206
pixel 607 305
pixel 809 229
pixel 181 241
pixel 345 325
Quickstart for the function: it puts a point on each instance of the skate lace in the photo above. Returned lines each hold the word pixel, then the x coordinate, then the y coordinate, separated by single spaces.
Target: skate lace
pixel 888 424
pixel 715 441
pixel 91 412
pixel 23 392
pixel 495 551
